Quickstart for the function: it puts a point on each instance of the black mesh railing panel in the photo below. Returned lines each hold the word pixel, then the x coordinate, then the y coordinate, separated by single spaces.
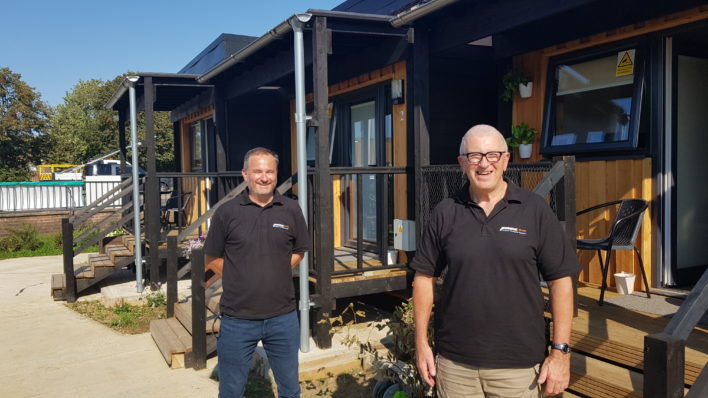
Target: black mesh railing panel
pixel 443 181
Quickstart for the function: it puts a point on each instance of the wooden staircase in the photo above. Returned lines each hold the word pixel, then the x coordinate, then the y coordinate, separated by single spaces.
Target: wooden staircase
pixel 608 344
pixel 114 256
pixel 173 335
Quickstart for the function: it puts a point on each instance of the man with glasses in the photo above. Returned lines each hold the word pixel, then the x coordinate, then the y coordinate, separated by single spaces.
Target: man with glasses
pixel 494 238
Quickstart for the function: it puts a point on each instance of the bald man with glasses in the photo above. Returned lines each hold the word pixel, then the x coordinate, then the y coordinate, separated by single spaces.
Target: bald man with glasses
pixel 494 238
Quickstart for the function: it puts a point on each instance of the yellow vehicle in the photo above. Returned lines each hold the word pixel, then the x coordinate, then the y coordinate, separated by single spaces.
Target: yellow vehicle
pixel 46 171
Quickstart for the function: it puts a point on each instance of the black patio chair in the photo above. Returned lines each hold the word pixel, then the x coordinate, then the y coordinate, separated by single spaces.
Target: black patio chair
pixel 173 212
pixel 623 234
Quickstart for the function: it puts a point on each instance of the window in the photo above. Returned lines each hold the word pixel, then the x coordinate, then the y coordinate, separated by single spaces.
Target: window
pixel 195 136
pixel 595 102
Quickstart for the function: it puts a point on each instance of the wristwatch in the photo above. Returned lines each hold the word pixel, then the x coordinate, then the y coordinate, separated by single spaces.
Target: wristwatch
pixel 564 348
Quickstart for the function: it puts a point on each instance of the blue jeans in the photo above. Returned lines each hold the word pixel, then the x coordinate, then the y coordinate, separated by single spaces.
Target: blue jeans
pixel 237 341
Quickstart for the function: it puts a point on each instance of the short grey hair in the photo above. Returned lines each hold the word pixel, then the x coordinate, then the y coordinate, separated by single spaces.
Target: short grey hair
pixel 259 151
pixel 482 130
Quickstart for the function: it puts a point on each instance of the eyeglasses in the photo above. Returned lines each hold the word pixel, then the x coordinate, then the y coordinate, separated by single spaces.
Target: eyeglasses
pixel 476 157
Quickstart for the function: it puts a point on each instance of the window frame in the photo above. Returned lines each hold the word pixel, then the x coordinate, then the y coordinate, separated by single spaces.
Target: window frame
pixel 639 87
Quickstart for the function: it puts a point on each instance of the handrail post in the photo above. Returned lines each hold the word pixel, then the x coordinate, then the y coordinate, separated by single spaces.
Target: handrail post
pixel 664 359
pixel 198 311
pixel 67 232
pixel 171 272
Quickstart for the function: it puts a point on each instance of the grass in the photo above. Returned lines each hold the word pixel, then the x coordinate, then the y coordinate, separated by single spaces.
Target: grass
pixel 48 248
pixel 125 318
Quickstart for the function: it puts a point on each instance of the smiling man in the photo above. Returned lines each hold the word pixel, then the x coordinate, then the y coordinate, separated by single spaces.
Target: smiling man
pixel 254 241
pixel 495 239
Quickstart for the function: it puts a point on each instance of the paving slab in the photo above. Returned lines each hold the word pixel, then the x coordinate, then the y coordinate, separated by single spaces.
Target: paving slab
pixel 51 351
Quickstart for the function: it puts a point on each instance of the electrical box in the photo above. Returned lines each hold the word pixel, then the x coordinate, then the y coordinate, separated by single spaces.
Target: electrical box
pixel 404 235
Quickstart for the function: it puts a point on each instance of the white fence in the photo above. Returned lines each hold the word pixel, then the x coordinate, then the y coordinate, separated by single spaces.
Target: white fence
pixel 51 195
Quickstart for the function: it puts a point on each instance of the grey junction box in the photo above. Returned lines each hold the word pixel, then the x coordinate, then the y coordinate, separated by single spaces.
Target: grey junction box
pixel 404 235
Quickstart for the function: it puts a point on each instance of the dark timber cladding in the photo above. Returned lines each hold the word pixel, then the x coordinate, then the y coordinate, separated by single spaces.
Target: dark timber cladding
pixel 324 246
pixel 421 107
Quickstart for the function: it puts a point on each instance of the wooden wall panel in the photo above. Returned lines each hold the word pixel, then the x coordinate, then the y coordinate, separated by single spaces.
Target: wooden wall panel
pixel 604 181
pixel 601 181
pixel 400 143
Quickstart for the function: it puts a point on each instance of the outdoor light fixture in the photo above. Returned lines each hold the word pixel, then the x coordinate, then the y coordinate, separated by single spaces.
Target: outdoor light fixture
pixel 397 91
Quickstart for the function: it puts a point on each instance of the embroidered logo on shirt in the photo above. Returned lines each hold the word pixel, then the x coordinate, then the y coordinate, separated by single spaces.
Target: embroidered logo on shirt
pixel 281 226
pixel 520 231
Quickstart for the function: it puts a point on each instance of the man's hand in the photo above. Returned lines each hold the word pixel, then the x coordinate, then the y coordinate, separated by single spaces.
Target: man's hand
pixel 555 373
pixel 426 363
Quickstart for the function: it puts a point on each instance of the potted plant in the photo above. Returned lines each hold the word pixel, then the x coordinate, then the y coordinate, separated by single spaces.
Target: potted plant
pixel 522 136
pixel 516 80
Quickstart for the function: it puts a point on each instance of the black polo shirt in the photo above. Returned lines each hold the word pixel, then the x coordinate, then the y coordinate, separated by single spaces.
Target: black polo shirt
pixel 490 311
pixel 257 244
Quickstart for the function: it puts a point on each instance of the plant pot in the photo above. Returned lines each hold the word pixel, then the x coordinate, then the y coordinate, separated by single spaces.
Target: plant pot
pixel 525 90
pixel 624 282
pixel 525 150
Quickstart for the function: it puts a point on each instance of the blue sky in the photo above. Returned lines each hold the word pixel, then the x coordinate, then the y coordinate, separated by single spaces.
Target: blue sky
pixel 54 44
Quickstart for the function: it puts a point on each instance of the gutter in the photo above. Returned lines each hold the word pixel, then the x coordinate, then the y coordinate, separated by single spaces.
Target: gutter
pixel 273 34
pixel 124 85
pixel 419 11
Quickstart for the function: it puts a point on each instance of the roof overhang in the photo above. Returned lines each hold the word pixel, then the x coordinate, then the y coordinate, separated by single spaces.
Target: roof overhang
pixel 171 90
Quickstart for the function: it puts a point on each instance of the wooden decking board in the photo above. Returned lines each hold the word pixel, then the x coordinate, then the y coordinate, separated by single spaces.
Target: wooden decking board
pixel 617 335
pixel 171 339
pixel 183 312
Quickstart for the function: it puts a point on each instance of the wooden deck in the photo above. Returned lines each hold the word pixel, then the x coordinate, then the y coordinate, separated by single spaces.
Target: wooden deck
pixel 609 347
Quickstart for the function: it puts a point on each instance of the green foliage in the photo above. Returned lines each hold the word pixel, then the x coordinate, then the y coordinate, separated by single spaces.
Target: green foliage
pixel 24 120
pixel 49 245
pixel 22 238
pixel 521 134
pixel 155 297
pixel 83 129
pixel 510 83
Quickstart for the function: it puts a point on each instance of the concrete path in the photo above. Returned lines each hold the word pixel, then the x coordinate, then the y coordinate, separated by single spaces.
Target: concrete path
pixel 49 350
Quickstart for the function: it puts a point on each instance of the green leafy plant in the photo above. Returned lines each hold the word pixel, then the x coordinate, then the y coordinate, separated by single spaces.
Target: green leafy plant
pixel 521 134
pixel 22 238
pixel 399 365
pixel 511 81
pixel 155 296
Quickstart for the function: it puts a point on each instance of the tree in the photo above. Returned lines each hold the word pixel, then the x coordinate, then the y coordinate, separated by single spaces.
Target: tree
pixel 24 119
pixel 83 129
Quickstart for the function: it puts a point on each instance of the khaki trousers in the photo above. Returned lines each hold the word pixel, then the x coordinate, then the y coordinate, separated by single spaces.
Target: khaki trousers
pixel 456 380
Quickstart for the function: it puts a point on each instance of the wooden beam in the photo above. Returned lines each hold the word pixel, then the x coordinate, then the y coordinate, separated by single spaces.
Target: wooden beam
pixel 264 73
pixel 489 17
pixel 67 231
pixel 151 187
pixel 421 109
pixel 323 223
pixel 222 135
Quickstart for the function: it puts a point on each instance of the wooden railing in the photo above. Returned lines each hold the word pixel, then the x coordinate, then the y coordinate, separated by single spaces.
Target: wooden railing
pixel 664 353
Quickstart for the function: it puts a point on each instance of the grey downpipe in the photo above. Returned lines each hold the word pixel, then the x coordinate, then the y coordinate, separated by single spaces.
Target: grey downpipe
pixel 136 183
pixel 300 122
pixel 409 16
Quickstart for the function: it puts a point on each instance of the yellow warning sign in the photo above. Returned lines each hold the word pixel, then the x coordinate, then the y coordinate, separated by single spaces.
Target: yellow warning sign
pixel 400 229
pixel 625 63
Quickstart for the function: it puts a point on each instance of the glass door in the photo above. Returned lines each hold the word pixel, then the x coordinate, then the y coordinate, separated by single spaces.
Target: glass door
pixel 365 117
pixel 688 213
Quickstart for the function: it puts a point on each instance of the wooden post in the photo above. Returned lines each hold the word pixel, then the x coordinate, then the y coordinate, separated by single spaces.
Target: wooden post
pixel 322 223
pixel 199 343
pixel 663 366
pixel 222 138
pixel 421 108
pixel 152 186
pixel 67 236
pixel 171 272
pixel 568 210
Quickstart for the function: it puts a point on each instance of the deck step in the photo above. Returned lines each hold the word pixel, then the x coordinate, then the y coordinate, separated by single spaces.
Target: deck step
pixel 172 339
pixel 183 311
pixel 624 354
pixel 595 378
